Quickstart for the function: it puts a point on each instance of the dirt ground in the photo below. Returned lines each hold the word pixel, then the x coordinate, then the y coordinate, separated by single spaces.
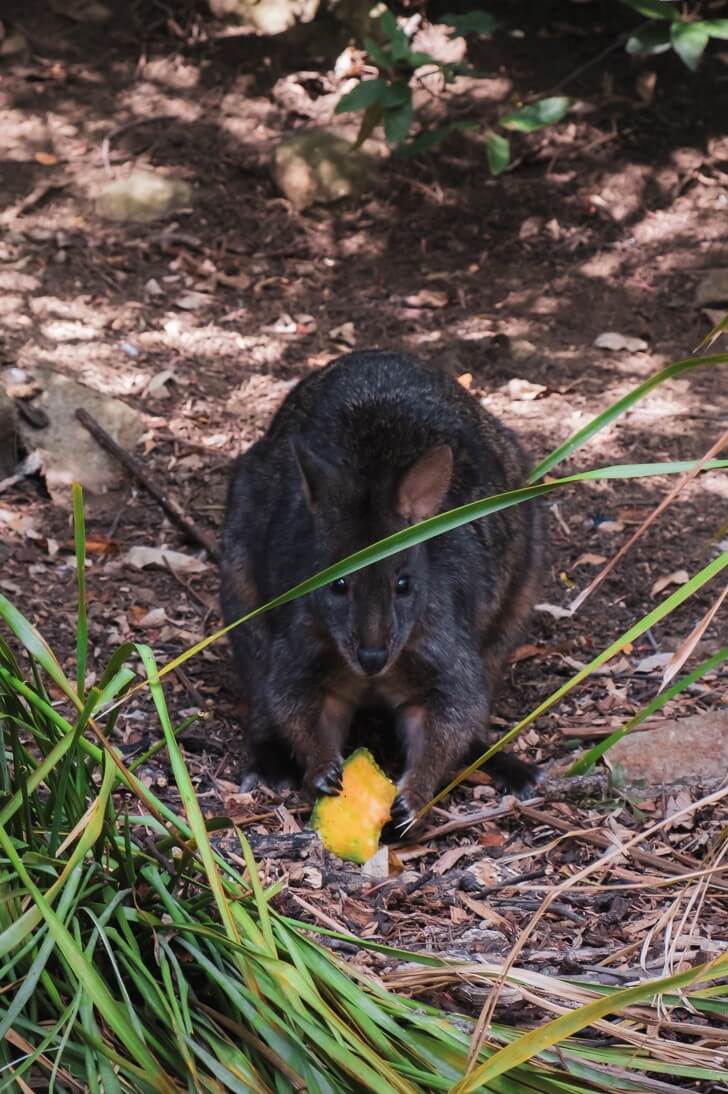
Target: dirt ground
pixel 608 222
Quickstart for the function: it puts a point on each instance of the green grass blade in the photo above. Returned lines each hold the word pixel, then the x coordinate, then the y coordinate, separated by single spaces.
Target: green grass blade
pixel 37 647
pixel 607 416
pixel 530 1044
pixel 188 795
pixel 79 532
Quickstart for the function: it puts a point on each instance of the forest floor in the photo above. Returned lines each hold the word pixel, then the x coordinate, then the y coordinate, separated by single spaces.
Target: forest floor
pixel 607 223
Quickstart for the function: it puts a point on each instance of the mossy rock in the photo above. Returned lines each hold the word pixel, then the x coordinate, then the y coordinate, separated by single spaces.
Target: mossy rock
pixel 318 166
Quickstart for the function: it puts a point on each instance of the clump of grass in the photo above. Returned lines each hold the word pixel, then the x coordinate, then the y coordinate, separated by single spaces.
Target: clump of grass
pixel 133 957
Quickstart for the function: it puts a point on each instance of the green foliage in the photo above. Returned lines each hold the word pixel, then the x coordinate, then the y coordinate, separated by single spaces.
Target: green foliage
pixel 529 119
pixel 672 29
pixel 470 22
pixel 498 150
pixel 387 100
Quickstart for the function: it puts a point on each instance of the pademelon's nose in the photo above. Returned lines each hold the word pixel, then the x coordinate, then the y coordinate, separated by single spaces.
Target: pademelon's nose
pixel 372 660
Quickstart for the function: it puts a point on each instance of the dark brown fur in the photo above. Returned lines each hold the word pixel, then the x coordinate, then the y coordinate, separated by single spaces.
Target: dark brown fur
pixel 358 450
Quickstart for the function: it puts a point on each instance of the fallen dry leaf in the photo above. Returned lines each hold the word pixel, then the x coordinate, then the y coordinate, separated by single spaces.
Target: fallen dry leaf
pixel 486 913
pixel 589 559
pixel 612 340
pixel 466 380
pixel 555 610
pixel 192 301
pixel 486 869
pixel 524 390
pixel 678 577
pixel 139 557
pixel 448 858
pixel 346 333
pixel 526 652
pixel 426 298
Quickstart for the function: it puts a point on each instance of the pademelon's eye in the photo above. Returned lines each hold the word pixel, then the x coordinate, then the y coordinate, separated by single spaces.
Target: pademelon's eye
pixel 403 586
pixel 340 587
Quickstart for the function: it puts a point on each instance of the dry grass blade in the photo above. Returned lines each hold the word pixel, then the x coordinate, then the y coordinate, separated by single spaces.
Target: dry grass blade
pixel 488 1009
pixel 680 485
pixel 686 648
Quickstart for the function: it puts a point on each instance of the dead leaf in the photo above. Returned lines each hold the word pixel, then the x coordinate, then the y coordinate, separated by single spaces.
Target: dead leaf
pixel 157 385
pixel 524 390
pixel 610 526
pixel 140 557
pixel 346 333
pixel 645 85
pixel 377 867
pixel 285 324
pixel 526 652
pixel 654 661
pixel 486 870
pixel 491 838
pixel 448 858
pixel 192 301
pixel 614 341
pixel 233 281
pixel 156 617
pixel 678 577
pixel 46 159
pixel 589 559
pixel 426 298
pixel 466 380
pixel 555 610
pixel 486 913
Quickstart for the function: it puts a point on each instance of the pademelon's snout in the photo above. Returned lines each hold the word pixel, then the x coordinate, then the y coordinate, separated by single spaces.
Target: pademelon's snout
pixel 372 659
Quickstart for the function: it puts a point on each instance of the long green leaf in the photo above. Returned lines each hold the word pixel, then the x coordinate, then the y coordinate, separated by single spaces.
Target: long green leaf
pixel 428 529
pixel 79 532
pixel 607 416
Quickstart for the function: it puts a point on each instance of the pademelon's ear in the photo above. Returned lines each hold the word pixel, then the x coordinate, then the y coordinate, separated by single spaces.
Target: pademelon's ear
pixel 318 476
pixel 423 487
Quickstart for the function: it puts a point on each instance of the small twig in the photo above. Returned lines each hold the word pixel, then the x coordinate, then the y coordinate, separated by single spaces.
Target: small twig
pixel 117 132
pixel 189 687
pixel 33 198
pixel 132 465
pixel 480 816
pixel 601 840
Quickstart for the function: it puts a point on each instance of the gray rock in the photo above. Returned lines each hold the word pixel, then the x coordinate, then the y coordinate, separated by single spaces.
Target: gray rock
pixel 68 453
pixel 318 167
pixel 142 196
pixel 691 751
pixel 522 349
pixel 713 289
pixel 8 435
